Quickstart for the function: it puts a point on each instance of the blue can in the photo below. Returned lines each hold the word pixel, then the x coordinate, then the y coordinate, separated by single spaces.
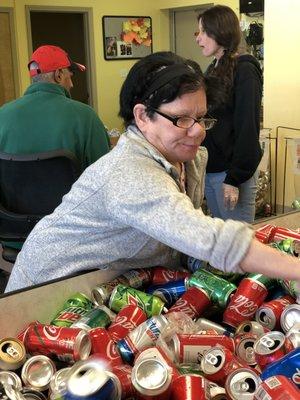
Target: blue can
pixel 88 380
pixel 289 366
pixel 168 292
pixel 194 264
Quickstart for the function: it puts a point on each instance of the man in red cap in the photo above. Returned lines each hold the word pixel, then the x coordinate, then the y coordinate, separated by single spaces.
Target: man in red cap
pixel 46 118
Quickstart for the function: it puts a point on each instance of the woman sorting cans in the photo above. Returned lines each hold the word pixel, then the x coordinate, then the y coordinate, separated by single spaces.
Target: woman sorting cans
pixel 233 143
pixel 140 205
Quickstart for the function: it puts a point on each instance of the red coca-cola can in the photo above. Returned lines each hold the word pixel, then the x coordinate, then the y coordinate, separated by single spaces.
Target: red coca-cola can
pixel 62 343
pixel 264 234
pixel 249 295
pixel 190 387
pixel 163 275
pixel 193 302
pixel 244 348
pixel 269 313
pixel 277 387
pixel 218 362
pixel 279 234
pixel 123 372
pixel 104 347
pixel 127 319
pixel 270 347
pixel 189 348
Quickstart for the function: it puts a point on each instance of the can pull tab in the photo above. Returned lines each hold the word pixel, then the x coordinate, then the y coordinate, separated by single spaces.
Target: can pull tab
pixel 12 352
pixel 267 342
pixel 211 359
pixel 240 386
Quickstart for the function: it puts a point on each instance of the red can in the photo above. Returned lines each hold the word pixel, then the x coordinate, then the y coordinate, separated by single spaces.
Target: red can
pixel 277 387
pixel 279 234
pixel 269 313
pixel 189 348
pixel 193 302
pixel 104 347
pixel 123 372
pixel 265 233
pixel 218 362
pixel 163 275
pixel 190 387
pixel 63 343
pixel 270 347
pixel 127 319
pixel 249 296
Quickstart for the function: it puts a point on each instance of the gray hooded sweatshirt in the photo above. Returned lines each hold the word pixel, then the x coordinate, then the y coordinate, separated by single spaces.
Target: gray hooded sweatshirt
pixel 128 210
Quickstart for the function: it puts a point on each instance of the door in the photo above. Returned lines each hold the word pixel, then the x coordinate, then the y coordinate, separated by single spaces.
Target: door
pixel 67 30
pixel 184 25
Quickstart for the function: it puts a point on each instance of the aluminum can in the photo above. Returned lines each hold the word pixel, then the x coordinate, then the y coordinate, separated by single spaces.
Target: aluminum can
pixel 288 365
pixel 265 233
pixel 58 384
pixel 241 384
pixel 69 316
pixel 249 296
pixel 169 292
pixel 217 393
pixel 163 275
pixel 10 378
pixel 270 347
pixel 244 348
pixel 293 335
pixel 218 362
pixel 61 343
pixel 104 347
pixel 191 347
pixel 12 354
pixel 94 318
pixel 218 289
pixel 252 327
pixel 37 372
pixel 269 283
pixel 193 302
pixel 190 387
pixel 194 264
pixel 135 278
pixel 123 373
pixel 151 379
pixel 145 335
pixel 292 287
pixel 189 369
pixel 123 295
pixel 277 387
pixel 284 233
pixel 269 313
pixel 205 324
pixel 78 300
pixel 127 319
pixel 32 394
pixel 290 316
pixel 89 381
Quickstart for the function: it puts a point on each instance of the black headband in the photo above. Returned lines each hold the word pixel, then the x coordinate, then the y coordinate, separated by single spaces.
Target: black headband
pixel 166 75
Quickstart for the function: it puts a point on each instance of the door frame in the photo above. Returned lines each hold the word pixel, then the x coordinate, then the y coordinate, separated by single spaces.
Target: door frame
pixel 10 12
pixel 87 13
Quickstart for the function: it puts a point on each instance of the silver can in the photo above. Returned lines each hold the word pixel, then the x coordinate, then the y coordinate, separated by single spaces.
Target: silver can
pixel 293 335
pixel 290 316
pixel 217 393
pixel 10 378
pixel 244 348
pixel 32 394
pixel 58 383
pixel 253 327
pixel 242 384
pixel 89 379
pixel 213 360
pixel 37 372
pixel 100 294
pixel 151 378
pixel 204 324
pixel 266 317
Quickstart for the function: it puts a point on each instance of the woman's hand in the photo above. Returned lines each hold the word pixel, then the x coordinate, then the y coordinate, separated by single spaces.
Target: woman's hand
pixel 231 196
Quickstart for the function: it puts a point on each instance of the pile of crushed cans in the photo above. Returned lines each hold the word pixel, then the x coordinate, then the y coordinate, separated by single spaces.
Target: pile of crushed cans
pixel 194 334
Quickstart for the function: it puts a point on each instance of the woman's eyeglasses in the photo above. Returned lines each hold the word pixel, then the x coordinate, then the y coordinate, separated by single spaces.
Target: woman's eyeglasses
pixel 187 122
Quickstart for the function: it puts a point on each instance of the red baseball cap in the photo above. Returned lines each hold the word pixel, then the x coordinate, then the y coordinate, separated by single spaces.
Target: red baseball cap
pixel 50 58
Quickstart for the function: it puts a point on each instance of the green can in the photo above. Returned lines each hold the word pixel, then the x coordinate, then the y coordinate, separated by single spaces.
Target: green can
pixel 218 289
pixel 79 300
pixel 292 287
pixel 123 295
pixel 68 316
pixel 187 369
pixel 233 277
pixel 95 318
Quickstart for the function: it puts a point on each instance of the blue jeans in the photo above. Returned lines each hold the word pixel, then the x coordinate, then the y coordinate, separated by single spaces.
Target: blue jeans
pixel 245 208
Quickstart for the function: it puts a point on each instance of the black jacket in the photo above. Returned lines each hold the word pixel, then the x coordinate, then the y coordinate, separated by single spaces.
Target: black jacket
pixel 233 144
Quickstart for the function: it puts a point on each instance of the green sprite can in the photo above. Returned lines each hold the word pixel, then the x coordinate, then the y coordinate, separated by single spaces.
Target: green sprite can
pixel 123 295
pixel 95 318
pixel 68 316
pixel 78 300
pixel 217 288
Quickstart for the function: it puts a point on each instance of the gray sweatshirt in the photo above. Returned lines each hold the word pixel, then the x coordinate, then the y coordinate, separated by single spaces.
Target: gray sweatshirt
pixel 126 211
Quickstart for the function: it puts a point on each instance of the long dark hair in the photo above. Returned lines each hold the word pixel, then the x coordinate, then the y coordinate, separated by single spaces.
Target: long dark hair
pixel 221 24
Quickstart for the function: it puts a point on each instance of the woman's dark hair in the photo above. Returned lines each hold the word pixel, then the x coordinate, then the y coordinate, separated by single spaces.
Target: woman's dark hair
pixel 158 78
pixel 221 24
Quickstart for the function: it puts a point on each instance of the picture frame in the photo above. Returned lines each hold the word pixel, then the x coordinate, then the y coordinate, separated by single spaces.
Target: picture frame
pixel 126 37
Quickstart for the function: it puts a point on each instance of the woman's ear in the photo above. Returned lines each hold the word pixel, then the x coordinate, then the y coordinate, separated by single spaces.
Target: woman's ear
pixel 140 116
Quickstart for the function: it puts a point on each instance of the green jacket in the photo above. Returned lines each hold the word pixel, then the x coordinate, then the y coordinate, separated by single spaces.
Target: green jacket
pixel 46 118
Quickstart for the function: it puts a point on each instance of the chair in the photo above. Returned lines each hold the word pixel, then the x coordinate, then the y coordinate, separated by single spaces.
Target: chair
pixel 31 186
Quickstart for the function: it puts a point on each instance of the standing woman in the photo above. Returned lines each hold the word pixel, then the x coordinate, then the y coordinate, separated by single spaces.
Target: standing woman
pixel 233 144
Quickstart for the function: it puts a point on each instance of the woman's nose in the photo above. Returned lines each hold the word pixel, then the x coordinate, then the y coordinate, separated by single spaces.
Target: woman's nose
pixel 197 130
